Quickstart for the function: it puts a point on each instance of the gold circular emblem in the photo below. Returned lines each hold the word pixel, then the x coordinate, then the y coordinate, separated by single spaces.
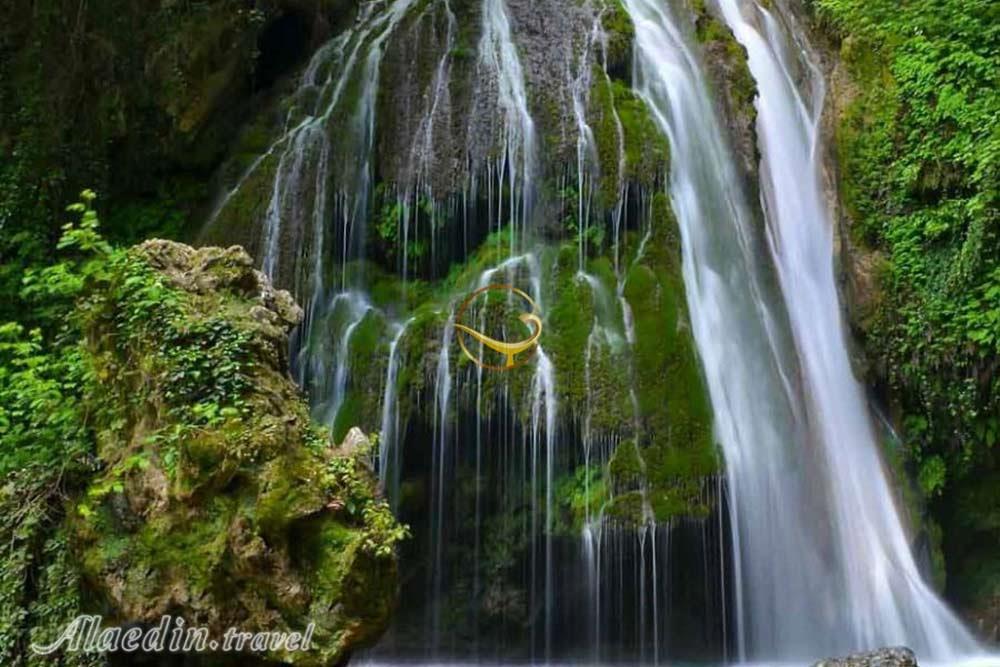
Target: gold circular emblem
pixel 531 320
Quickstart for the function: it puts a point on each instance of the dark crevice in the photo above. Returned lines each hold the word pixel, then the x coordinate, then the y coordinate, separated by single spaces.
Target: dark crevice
pixel 282 45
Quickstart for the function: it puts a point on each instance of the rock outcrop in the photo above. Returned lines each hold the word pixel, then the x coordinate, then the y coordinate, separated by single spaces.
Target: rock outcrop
pixel 733 89
pixel 218 500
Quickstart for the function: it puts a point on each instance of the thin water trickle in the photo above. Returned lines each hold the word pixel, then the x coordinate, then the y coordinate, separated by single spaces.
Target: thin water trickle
pixel 389 458
pixel 442 434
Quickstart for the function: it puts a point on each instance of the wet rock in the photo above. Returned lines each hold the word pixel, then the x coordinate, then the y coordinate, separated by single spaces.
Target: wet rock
pixel 897 656
pixel 733 88
pixel 984 617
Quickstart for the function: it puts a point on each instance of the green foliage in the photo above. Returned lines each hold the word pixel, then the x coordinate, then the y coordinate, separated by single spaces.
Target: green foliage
pixel 382 531
pixel 46 446
pixel 40 417
pixel 920 153
pixel 932 475
pixel 133 97
pixel 391 213
pixel 42 380
pixel 205 377
pixel 347 477
pixel 40 587
pixel 581 494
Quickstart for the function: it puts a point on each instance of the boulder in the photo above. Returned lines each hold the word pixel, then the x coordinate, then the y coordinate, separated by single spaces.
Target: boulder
pixel 896 656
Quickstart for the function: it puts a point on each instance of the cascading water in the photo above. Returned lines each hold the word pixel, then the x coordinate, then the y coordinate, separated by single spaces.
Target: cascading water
pixel 389 433
pixel 322 176
pixel 737 325
pixel 877 594
pixel 823 562
pixel 516 167
pixel 443 432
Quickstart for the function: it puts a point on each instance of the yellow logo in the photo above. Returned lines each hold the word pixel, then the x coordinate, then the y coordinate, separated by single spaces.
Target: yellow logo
pixel 508 349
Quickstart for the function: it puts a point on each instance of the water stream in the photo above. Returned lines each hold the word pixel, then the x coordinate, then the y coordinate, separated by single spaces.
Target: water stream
pixel 823 565
pixel 874 592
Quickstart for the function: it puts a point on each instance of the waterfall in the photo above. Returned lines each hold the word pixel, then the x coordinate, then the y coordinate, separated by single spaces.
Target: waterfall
pixel 881 598
pixel 320 192
pixel 357 306
pixel 799 551
pixel 822 563
pixel 389 435
pixel 442 435
pixel 517 163
pixel 736 323
pixel 586 146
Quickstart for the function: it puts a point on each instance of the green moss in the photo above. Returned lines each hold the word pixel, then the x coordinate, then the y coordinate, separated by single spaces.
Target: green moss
pixel 234 223
pixel 620 33
pixel 733 76
pixel 683 498
pixel 626 466
pixel 628 509
pixel 677 447
pixel 327 549
pixel 418 352
pixel 351 413
pixel 187 547
pixel 606 136
pixel 624 131
pixel 286 491
pixel 647 153
pixel 568 323
pixel 211 463
pixel 368 356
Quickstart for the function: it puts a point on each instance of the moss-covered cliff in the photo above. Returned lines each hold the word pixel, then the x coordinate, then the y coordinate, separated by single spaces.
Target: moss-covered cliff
pixel 196 484
pixel 913 107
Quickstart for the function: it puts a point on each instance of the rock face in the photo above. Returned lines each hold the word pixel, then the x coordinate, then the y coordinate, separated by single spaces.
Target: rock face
pixel 985 617
pixel 898 656
pixel 219 501
pixel 733 88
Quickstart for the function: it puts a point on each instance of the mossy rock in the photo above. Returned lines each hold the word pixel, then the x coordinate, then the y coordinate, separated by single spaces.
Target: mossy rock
pixel 628 509
pixel 626 133
pixel 620 33
pixel 733 88
pixel 677 444
pixel 237 510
